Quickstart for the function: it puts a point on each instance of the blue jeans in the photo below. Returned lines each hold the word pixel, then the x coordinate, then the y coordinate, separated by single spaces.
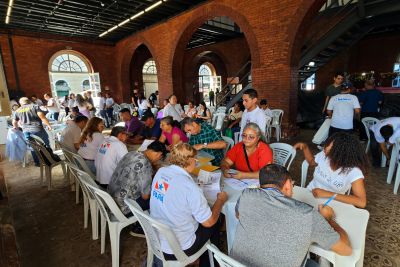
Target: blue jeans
pixel 110 115
pixel 103 114
pixel 91 166
pixel 44 136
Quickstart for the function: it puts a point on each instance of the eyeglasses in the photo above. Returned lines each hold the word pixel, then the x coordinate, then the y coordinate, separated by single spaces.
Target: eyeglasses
pixel 249 137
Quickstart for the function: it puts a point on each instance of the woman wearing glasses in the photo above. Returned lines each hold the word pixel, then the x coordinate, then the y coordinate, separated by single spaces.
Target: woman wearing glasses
pixel 248 156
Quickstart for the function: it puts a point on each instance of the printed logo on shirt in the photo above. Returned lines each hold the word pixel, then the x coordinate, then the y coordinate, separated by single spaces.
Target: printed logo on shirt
pixel 83 145
pixel 103 148
pixel 160 188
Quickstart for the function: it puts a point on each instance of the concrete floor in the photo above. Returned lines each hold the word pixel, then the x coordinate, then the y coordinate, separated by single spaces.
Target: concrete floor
pixel 49 225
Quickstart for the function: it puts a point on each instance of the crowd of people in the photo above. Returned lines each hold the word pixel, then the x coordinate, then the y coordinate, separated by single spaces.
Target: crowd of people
pixel 269 217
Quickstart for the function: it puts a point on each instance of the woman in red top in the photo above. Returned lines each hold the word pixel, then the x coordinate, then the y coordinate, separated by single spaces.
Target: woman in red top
pixel 258 154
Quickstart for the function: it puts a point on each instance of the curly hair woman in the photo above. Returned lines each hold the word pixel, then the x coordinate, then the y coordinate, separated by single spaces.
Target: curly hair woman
pixel 90 141
pixel 341 166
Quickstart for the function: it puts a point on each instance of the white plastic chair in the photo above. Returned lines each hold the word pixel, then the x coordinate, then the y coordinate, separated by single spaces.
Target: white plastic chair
pixel 223 259
pixel 368 122
pixel 116 220
pixel 394 162
pixel 186 108
pixel 89 200
pixel 154 111
pixel 116 109
pixel 44 155
pixel 277 115
pixel 221 109
pixel 120 124
pixel 268 128
pixel 284 154
pixel 151 228
pixel 230 143
pixel 219 121
pixel 236 137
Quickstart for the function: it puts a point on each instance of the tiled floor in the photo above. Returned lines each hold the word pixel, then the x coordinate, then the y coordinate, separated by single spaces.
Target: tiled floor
pixel 49 225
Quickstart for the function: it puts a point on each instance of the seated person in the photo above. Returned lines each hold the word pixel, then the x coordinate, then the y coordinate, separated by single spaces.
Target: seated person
pixel 177 201
pixel 171 133
pixel 191 112
pixel 132 123
pixel 203 113
pixel 203 136
pixel 151 129
pixel 248 156
pixel 110 152
pixel 264 106
pixel 133 176
pixel 71 135
pixel 280 228
pixel 339 167
pixel 234 117
pixel 383 134
pixel 90 141
pixel 72 115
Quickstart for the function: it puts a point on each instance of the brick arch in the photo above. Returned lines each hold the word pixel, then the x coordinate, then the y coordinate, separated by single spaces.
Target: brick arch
pixel 126 59
pixel 201 15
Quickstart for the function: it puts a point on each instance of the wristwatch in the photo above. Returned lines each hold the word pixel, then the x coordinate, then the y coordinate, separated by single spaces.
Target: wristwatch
pixel 205 145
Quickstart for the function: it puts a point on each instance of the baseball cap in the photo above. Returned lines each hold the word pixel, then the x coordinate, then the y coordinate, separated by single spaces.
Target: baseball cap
pixel 146 115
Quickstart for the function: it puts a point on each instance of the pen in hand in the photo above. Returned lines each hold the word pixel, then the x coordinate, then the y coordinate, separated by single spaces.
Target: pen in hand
pixel 329 200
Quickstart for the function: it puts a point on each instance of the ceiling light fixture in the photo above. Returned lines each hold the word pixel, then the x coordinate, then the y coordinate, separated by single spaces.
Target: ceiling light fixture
pixel 10 5
pixel 131 18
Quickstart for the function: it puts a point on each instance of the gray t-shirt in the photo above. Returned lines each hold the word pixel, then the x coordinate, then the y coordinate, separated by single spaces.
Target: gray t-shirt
pixel 332 90
pixel 275 230
pixel 131 178
pixel 27 115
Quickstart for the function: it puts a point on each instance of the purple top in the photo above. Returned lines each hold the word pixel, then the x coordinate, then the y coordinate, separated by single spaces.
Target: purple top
pixel 133 126
pixel 177 131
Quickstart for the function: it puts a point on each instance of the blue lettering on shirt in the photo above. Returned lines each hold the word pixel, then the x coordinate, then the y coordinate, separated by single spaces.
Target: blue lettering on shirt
pixel 103 150
pixel 158 196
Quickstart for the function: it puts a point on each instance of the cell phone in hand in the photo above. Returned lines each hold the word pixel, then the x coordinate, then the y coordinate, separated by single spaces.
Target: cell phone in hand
pixel 231 171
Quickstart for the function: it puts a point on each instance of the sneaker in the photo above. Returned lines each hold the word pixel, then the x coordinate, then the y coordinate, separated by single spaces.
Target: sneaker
pixel 137 230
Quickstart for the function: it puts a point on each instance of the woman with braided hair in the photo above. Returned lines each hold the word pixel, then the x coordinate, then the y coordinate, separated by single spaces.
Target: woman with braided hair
pixel 340 167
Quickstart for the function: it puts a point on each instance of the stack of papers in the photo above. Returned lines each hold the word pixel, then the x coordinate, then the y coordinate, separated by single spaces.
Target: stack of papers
pixel 145 144
pixel 212 188
pixel 242 184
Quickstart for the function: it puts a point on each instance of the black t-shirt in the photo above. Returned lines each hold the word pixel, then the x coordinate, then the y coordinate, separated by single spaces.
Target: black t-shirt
pixel 28 117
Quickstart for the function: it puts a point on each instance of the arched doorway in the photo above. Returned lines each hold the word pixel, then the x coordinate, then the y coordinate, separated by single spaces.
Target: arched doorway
pixel 221 36
pixel 71 72
pixel 150 81
pixel 208 80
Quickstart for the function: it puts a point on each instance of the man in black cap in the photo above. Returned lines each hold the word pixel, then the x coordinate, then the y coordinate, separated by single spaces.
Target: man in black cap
pixel 151 129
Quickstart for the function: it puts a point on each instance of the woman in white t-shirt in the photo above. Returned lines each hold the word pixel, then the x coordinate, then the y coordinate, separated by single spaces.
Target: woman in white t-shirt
pixel 90 141
pixel 340 167
pixel 143 104
pixel 82 105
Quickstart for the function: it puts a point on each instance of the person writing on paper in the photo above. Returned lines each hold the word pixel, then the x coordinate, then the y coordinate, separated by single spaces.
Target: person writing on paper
pixel 281 228
pixel 152 128
pixel 171 133
pixel 90 141
pixel 248 156
pixel 340 167
pixel 177 201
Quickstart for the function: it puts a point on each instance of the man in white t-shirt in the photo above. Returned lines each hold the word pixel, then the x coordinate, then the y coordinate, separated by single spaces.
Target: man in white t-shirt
pixel 341 109
pixel 264 106
pixel 71 135
pixel 110 152
pixel 174 109
pixel 52 106
pixel 252 113
pixel 384 133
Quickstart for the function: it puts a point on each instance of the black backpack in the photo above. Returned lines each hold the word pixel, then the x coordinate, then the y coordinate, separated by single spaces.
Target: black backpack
pixel 48 148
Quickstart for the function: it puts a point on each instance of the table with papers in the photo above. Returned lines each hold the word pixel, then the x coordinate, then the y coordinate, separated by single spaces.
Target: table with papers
pixel 353 220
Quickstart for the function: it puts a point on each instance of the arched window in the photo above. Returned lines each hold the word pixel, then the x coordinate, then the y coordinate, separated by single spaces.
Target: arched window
pixel 396 69
pixel 68 63
pixel 205 70
pixel 150 67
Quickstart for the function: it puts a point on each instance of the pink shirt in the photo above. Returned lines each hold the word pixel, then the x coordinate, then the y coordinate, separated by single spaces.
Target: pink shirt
pixel 177 131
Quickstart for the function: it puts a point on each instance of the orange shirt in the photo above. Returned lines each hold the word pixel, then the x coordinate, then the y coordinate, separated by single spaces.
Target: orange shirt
pixel 260 157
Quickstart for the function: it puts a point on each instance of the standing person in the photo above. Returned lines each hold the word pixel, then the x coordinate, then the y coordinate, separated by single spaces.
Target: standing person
pixel 109 154
pixel 102 109
pixel 71 135
pixel 204 137
pixel 36 100
pixel 30 117
pixel 64 103
pixel 333 89
pixel 177 201
pixel 154 98
pixel 341 109
pixel 52 106
pixel 370 101
pixel 383 135
pixel 135 97
pixel 276 230
pixel 252 112
pixel 173 109
pixel 211 96
pixel 71 101
pixel 109 108
pixel 90 141
pixel 92 108
pixel 82 105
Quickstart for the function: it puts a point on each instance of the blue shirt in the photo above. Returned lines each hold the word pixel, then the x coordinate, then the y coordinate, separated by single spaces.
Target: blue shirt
pixel 370 100
pixel 149 133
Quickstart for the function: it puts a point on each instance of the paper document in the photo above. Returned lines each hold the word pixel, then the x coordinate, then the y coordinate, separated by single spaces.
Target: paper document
pixel 242 184
pixel 211 189
pixel 145 144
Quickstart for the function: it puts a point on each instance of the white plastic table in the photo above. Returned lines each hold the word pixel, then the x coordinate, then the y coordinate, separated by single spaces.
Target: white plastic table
pixel 353 220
